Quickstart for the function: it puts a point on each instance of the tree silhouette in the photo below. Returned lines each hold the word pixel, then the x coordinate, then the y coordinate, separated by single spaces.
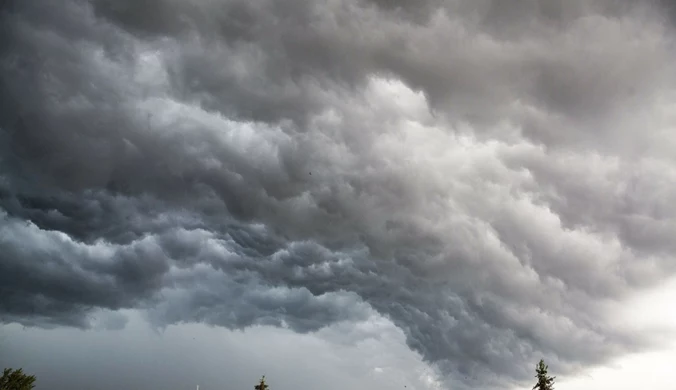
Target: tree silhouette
pixel 16 380
pixel 545 382
pixel 261 386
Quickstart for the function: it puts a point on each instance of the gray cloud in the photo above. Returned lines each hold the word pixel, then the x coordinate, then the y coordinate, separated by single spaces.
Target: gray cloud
pixel 492 180
pixel 187 354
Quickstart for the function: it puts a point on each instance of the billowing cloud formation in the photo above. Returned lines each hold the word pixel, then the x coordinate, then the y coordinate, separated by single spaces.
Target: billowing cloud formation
pixel 492 178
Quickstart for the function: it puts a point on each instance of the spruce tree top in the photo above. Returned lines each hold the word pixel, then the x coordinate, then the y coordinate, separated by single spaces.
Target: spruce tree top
pixel 545 382
pixel 262 385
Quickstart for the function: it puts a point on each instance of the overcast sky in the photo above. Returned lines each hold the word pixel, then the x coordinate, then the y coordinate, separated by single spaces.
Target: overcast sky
pixel 344 194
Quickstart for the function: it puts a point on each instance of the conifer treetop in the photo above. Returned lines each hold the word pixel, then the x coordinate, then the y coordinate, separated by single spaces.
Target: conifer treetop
pixel 545 382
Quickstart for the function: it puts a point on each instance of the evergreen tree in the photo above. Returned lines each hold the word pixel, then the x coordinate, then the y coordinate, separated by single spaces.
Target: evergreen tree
pixel 545 382
pixel 16 380
pixel 262 385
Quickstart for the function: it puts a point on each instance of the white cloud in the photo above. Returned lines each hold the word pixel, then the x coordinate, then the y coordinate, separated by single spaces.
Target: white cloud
pixel 652 311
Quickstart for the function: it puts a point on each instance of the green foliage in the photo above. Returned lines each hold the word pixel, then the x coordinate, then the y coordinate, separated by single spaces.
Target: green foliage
pixel 16 380
pixel 261 386
pixel 545 382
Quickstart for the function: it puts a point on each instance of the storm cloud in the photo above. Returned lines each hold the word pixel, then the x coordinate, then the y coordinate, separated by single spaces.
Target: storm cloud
pixel 492 178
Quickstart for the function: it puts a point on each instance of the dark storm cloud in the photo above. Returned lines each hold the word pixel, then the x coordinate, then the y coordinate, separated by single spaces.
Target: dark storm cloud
pixel 240 163
pixel 64 280
pixel 474 60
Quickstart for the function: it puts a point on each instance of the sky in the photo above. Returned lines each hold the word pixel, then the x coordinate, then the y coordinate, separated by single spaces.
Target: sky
pixel 431 195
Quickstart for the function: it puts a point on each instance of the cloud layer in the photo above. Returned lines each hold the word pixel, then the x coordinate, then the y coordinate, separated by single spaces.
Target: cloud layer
pixel 493 180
